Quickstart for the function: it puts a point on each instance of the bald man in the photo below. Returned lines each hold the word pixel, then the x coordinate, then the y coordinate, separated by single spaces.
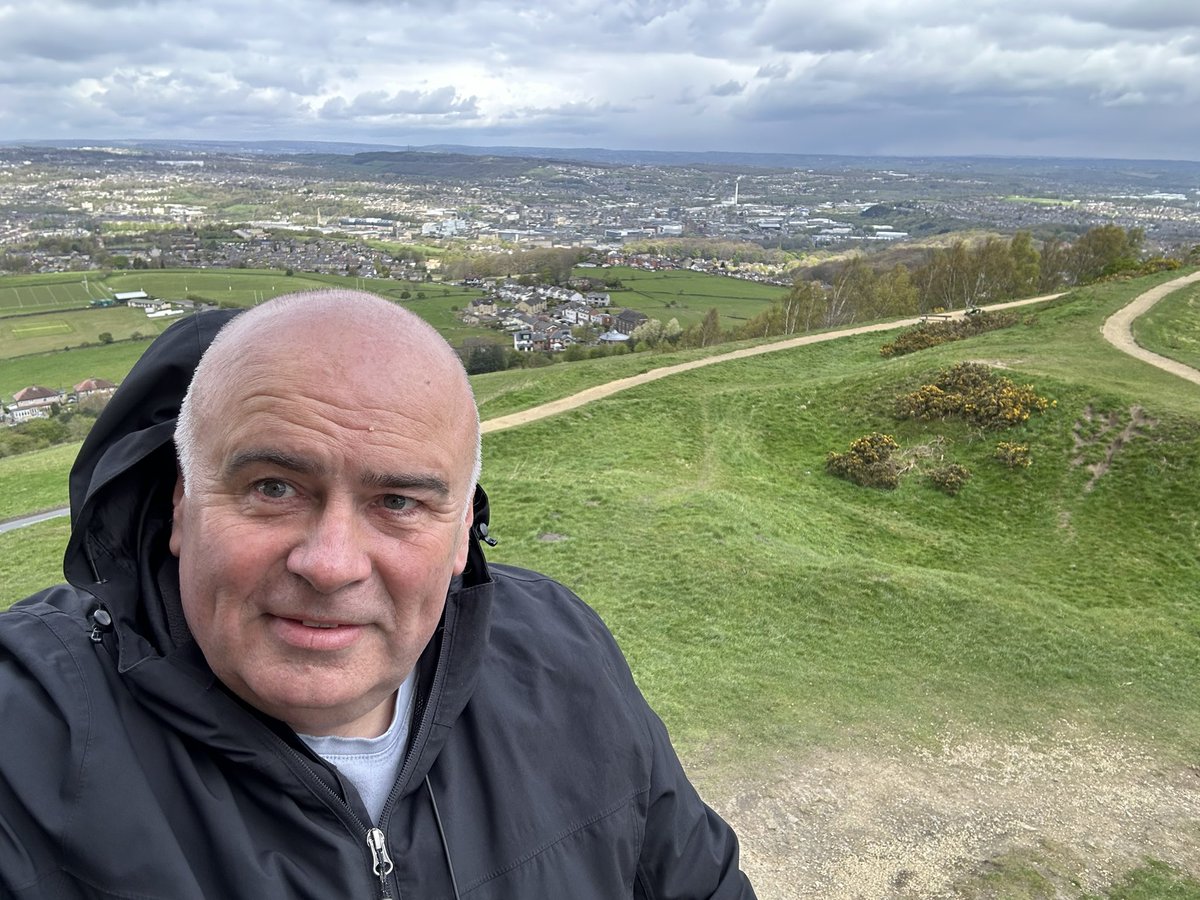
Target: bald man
pixel 283 668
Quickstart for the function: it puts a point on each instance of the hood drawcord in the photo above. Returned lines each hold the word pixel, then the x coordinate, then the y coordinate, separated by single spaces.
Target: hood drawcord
pixel 91 561
pixel 437 817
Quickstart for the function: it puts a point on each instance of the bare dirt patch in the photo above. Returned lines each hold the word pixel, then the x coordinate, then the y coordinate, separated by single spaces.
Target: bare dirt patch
pixel 1109 430
pixel 911 823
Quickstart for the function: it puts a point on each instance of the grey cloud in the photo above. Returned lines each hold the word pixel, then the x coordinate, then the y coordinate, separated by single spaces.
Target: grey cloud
pixel 730 88
pixel 773 70
pixel 577 110
pixel 443 101
pixel 837 26
pixel 1141 15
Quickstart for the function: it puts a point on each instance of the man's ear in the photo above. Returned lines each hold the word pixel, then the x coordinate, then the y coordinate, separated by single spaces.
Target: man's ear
pixel 177 501
pixel 464 539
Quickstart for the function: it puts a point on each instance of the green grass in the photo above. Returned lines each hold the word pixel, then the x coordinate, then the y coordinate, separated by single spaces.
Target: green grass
pixel 62 370
pixel 31 558
pixel 37 481
pixel 687 296
pixel 48 332
pixel 1155 881
pixel 763 603
pixel 21 294
pixel 1172 327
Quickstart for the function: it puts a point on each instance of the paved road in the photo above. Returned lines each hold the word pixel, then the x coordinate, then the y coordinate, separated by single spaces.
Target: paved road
pixel 31 520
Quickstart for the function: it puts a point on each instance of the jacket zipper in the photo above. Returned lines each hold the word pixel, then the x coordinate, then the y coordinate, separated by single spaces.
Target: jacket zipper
pixel 377 842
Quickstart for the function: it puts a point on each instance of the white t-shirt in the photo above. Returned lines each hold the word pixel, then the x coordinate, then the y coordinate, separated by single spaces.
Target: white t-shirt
pixel 371 764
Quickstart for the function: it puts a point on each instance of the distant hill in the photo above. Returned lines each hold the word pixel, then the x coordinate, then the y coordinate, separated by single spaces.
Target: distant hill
pixel 1148 174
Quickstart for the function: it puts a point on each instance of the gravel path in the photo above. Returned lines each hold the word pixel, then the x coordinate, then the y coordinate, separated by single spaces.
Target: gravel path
pixel 901 824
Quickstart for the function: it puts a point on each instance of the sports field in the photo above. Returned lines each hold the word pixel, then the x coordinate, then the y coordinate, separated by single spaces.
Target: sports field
pixel 20 295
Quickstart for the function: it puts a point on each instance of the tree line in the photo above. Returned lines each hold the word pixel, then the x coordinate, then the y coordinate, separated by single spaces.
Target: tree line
pixel 961 276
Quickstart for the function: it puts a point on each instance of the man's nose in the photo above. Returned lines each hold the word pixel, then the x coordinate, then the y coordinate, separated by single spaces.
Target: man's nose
pixel 332 554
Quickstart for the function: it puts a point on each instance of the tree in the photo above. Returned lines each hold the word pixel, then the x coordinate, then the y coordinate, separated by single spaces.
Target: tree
pixel 1026 265
pixel 1104 250
pixel 853 294
pixel 486 358
pixel 994 271
pixel 710 328
pixel 1053 269
pixel 105 337
pixel 895 293
pixel 649 335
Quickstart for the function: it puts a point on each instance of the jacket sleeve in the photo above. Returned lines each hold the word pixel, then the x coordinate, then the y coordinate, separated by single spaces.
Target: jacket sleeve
pixel 688 851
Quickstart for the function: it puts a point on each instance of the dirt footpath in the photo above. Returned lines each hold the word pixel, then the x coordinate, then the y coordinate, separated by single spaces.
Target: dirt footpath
pixel 1117 328
pixel 607 390
pixel 859 824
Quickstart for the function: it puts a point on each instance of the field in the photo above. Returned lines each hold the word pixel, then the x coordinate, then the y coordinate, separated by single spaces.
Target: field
pixel 37 293
pixel 687 296
pixel 36 481
pixel 986 695
pixel 34 336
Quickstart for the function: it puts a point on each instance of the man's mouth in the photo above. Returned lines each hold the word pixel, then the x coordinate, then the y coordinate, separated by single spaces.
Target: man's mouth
pixel 307 624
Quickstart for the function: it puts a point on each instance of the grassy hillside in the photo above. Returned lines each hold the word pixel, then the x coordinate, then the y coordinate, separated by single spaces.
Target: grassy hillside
pixel 768 609
pixel 762 601
pixel 696 514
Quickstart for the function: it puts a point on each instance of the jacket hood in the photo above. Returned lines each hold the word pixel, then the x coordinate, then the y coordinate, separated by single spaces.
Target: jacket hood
pixel 121 487
pixel 122 480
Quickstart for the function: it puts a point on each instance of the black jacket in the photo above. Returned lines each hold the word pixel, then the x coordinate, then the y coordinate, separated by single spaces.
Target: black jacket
pixel 535 767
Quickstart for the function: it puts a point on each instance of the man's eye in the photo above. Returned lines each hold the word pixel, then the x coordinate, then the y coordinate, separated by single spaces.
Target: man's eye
pixel 398 502
pixel 273 489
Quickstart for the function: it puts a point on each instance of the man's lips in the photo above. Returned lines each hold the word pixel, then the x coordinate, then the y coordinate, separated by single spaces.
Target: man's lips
pixel 315 634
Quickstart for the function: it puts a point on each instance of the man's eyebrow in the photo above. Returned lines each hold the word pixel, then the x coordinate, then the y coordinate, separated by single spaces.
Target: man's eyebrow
pixel 293 463
pixel 405 482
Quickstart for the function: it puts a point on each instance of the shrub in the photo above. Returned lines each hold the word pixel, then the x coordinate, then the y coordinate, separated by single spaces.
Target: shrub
pixel 932 333
pixel 950 478
pixel 973 392
pixel 870 462
pixel 1013 455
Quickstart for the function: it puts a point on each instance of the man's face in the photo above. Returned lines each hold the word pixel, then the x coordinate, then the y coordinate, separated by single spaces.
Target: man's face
pixel 318 537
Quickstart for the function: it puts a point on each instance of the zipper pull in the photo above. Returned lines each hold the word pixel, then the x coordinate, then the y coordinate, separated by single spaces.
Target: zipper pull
pixel 377 843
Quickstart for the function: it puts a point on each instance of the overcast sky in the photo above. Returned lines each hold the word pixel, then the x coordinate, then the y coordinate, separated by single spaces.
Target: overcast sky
pixel 1098 78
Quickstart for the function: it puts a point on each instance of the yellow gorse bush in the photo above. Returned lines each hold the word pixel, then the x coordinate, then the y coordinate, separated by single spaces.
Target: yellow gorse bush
pixel 973 392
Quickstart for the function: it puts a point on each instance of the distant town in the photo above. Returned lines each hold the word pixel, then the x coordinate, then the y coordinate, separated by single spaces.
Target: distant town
pixel 404 214
pixel 528 242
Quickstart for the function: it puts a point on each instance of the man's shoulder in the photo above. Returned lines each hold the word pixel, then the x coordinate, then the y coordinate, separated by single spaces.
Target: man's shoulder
pixel 61 610
pixel 44 641
pixel 536 620
pixel 523 593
